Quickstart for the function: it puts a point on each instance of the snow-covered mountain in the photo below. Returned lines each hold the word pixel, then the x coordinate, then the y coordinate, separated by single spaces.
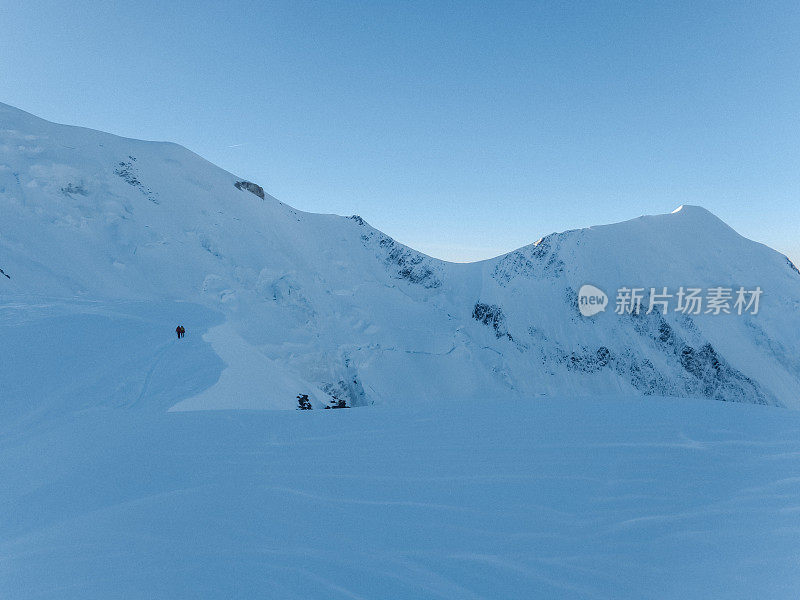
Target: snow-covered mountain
pixel 107 243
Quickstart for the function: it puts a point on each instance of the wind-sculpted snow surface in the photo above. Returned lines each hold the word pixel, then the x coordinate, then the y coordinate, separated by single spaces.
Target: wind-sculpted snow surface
pixel 331 307
pixel 600 498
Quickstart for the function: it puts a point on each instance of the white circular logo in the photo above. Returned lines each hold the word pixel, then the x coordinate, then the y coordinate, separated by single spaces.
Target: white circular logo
pixel 591 300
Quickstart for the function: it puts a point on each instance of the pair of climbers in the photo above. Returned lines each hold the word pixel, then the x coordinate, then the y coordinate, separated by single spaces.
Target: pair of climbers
pixel 180 331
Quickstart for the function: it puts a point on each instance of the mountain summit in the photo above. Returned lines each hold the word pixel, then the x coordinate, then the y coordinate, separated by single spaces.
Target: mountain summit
pixel 107 243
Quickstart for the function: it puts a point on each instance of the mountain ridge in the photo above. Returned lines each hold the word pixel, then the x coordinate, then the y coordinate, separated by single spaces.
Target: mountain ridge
pixel 331 306
pixel 38 122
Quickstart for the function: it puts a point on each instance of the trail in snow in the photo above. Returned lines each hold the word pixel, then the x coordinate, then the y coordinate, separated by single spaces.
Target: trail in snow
pixel 62 356
pixel 157 361
pixel 459 487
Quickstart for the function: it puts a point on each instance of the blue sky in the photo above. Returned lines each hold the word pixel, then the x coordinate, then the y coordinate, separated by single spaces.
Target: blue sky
pixel 462 129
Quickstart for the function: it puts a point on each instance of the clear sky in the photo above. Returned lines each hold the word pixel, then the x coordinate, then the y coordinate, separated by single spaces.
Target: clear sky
pixel 463 129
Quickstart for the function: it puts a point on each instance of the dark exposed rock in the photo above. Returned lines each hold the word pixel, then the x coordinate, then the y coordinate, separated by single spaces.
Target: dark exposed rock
pixel 411 264
pixel 402 261
pixel 71 190
pixel 708 373
pixel 697 368
pixel 126 170
pixel 538 260
pixel 251 187
pixel 645 378
pixel 492 316
pixel 588 361
pixel 792 266
pixel 357 219
pixel 665 333
pixel 347 391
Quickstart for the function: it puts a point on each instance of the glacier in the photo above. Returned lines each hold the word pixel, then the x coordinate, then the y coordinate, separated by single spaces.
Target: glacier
pixel 508 447
pixel 292 302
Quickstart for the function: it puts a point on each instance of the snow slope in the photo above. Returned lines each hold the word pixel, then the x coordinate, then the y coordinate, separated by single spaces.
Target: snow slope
pixel 119 480
pixel 552 498
pixel 289 302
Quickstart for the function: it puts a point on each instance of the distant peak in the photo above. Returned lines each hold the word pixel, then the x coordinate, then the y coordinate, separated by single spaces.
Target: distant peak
pixel 698 214
pixel 691 209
